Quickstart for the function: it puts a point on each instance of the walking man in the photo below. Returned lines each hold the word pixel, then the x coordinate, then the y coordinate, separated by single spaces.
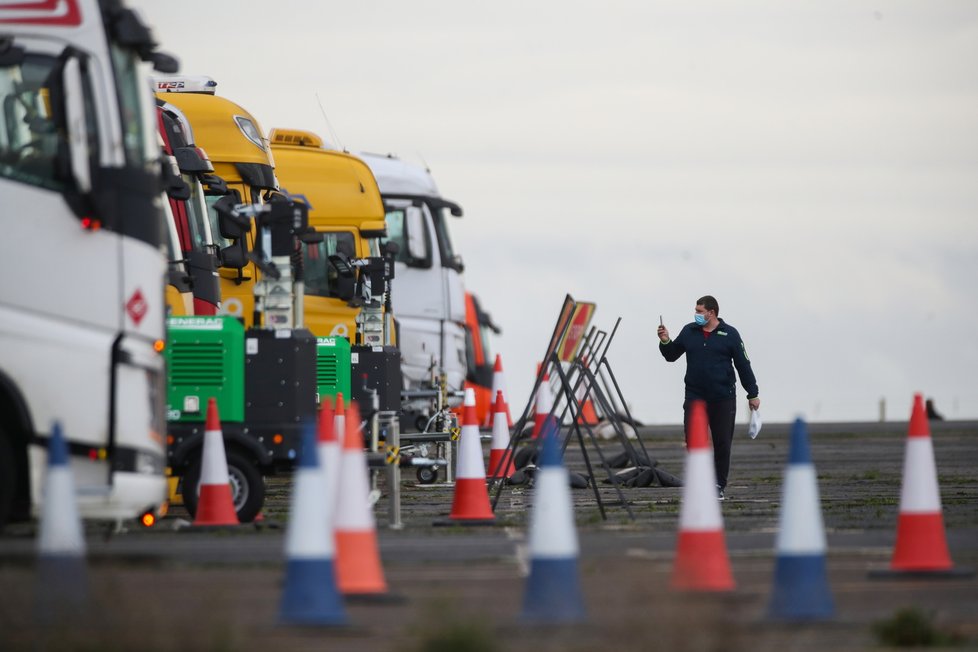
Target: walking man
pixel 713 348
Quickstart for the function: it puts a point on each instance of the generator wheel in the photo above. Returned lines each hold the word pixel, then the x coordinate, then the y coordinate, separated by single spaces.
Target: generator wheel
pixel 247 486
pixel 427 474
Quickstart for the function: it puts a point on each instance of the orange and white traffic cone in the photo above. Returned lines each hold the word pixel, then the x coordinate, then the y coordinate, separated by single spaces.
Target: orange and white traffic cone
pixel 470 505
pixel 587 414
pixel 328 444
pixel 921 545
pixel 544 404
pixel 215 505
pixel 359 571
pixel 500 454
pixel 701 562
pixel 339 421
pixel 499 385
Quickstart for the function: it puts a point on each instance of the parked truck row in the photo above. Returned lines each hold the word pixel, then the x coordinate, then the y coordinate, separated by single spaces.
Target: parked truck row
pixel 196 255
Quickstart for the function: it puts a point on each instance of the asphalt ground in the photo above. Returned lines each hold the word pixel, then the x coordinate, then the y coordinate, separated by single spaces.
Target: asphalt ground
pixel 461 588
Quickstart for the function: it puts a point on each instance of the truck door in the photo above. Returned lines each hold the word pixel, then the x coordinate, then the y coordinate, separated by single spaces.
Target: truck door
pixel 418 294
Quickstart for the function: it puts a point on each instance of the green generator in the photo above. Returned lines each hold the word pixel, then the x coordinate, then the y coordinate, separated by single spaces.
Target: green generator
pixel 205 357
pixel 332 368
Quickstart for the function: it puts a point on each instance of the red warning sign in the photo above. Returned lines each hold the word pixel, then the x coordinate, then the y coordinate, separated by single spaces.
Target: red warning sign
pixel 568 348
pixel 137 307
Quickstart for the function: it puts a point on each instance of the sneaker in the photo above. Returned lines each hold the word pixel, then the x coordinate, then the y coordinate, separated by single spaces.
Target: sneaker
pixel 719 492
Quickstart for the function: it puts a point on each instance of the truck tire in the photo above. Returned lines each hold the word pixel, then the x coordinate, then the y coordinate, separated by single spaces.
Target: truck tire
pixel 247 486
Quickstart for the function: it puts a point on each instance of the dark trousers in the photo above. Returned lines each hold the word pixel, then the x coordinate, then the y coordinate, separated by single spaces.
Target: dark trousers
pixel 721 416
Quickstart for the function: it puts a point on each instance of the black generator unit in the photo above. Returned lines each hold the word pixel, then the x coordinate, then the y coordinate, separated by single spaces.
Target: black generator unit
pixel 280 377
pixel 379 369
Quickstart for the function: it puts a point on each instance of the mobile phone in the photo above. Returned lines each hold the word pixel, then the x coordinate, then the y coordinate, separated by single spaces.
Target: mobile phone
pixel 660 321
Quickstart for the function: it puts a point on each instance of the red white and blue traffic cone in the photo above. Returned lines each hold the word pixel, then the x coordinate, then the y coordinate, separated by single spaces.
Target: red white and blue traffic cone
pixel 801 587
pixel 62 574
pixel 553 591
pixel 311 596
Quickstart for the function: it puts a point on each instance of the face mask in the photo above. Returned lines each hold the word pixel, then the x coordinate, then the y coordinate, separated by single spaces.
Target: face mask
pixel 699 319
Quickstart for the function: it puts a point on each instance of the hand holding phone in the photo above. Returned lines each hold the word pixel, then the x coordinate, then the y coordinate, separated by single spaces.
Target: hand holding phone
pixel 662 332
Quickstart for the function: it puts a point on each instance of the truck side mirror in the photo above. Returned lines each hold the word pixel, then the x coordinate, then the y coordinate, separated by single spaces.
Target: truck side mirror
pixel 165 63
pixel 234 256
pixel 213 184
pixel 74 99
pixel 346 289
pixel 311 236
pixel 416 234
pixel 176 188
pixel 10 54
pixel 231 226
pixel 190 160
pixel 341 263
pixel 454 209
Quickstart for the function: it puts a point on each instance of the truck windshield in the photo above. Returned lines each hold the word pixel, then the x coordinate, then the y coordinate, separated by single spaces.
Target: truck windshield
pixel 132 93
pixel 320 276
pixel 28 138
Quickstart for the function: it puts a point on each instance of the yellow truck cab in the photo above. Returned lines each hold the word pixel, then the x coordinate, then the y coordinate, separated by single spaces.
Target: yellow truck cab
pixel 239 152
pixel 345 205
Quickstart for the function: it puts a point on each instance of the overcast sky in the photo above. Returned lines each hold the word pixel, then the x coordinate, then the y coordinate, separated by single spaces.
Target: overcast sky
pixel 813 165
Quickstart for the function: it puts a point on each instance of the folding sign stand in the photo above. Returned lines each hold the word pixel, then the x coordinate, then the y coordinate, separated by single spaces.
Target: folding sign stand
pixel 573 407
pixel 606 399
pixel 584 377
pixel 587 380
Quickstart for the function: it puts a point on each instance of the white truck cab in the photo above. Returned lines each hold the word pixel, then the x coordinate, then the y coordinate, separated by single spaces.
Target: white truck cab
pixel 429 295
pixel 82 254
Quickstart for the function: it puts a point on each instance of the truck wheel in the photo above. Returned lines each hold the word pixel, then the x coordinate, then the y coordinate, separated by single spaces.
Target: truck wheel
pixel 247 487
pixel 427 475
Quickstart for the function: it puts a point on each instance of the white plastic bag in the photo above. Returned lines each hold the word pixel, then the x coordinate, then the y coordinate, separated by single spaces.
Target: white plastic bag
pixel 754 428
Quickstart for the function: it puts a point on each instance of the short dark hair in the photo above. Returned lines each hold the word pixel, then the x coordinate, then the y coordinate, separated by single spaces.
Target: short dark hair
pixel 709 303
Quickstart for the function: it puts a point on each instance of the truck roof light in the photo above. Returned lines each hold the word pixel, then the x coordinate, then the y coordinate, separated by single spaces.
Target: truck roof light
pixel 296 137
pixel 185 84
